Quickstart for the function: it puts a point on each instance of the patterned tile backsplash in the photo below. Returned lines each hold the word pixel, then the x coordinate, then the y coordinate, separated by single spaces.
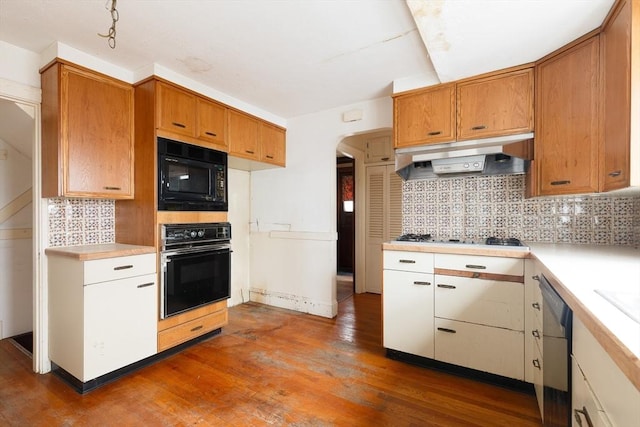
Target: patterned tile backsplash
pixel 473 208
pixel 75 222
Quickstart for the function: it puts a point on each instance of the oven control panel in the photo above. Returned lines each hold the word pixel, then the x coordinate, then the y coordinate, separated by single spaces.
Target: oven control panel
pixel 184 233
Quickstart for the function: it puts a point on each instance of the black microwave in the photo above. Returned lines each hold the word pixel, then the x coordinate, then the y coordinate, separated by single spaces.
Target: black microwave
pixel 191 178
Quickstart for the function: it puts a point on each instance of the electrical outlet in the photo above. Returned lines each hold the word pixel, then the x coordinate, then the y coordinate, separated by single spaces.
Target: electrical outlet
pixel 4 154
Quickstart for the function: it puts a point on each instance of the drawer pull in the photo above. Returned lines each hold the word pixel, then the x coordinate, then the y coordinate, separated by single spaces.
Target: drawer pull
pixel 536 278
pixel 269 157
pixel 180 125
pixel 112 188
pixel 447 330
pixel 440 285
pixel 145 285
pixel 536 333
pixel 585 413
pixel 197 328
pixel 536 306
pixel 615 174
pixel 562 182
pixel 477 267
pixel 437 132
pixel 384 159
pixel 248 151
pixel 407 261
pixel 536 363
pixel 210 133
pixel 479 127
pixel 417 282
pixel 122 267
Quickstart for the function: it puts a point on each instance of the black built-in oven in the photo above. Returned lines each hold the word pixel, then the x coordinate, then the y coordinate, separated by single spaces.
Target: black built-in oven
pixel 190 177
pixel 557 320
pixel 195 266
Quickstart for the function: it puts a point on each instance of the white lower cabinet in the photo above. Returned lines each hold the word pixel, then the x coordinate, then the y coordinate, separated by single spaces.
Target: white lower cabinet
pixel 485 348
pixel 102 313
pixel 407 300
pixel 601 391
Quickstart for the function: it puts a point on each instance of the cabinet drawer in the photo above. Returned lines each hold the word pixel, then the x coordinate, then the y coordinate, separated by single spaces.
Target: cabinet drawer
pixel 486 302
pixel 102 270
pixel 480 264
pixel 420 262
pixel 584 403
pixel 192 329
pixel 538 383
pixel 485 348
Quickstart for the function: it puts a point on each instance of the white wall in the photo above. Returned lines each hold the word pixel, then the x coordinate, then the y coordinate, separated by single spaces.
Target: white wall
pixel 16 291
pixel 239 186
pixel 293 213
pixel 19 65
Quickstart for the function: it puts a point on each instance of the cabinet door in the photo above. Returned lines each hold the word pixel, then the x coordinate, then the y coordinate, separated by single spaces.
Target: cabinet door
pixel 486 302
pixel 378 149
pixel 615 45
pixel 566 147
pixel 407 301
pixel 212 123
pixel 176 110
pixel 96 135
pixel 120 324
pixel 272 144
pixel 497 105
pixel 495 350
pixel 585 405
pixel 243 135
pixel 424 117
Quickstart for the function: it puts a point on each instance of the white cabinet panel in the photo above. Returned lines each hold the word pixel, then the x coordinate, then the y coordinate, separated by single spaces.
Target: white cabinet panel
pixel 421 262
pixel 494 350
pixel 407 301
pixel 586 407
pixel 101 270
pixel 486 302
pixel 480 264
pixel 120 323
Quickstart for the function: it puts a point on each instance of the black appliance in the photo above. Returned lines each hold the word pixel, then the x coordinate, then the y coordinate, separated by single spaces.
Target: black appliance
pixel 491 241
pixel 557 322
pixel 191 178
pixel 195 263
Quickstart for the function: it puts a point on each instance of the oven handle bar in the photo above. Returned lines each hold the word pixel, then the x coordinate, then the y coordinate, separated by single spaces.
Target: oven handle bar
pixel 195 250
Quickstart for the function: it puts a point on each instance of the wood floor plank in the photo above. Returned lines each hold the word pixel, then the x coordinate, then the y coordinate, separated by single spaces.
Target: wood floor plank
pixel 269 366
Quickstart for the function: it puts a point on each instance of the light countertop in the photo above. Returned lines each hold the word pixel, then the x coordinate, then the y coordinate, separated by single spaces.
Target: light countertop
pixel 458 248
pixel 91 252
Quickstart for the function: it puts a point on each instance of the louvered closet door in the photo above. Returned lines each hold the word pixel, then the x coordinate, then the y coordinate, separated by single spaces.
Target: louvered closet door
pixel 383 219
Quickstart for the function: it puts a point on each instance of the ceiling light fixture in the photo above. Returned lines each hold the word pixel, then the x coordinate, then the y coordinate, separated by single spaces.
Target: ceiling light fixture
pixel 111 35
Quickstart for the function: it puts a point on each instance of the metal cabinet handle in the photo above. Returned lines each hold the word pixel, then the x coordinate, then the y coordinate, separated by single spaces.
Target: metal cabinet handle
pixel 479 127
pixel 561 182
pixel 407 261
pixel 440 285
pixel 615 173
pixel 422 283
pixel 536 333
pixel 477 267
pixel 585 413
pixel 269 157
pixel 210 133
pixel 112 188
pixel 434 133
pixel 197 328
pixel 180 125
pixel 384 159
pixel 248 151
pixel 536 363
pixel 145 285
pixel 123 267
pixel 447 330
pixel 536 277
pixel 536 306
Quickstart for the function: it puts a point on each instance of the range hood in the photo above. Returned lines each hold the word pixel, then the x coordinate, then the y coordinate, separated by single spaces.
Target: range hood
pixel 509 154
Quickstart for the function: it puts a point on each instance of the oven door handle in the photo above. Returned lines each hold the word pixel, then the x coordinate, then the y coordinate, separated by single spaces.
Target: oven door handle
pixel 201 249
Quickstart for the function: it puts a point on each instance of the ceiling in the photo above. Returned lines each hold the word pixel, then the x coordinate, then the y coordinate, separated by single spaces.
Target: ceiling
pixel 293 57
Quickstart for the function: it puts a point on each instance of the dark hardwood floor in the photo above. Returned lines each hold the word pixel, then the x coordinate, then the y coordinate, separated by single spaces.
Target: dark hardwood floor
pixel 269 367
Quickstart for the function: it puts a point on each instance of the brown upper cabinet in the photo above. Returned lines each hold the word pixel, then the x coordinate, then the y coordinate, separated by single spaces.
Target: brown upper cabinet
pixel 498 105
pixel 272 144
pixel 176 110
pixel 425 116
pixel 87 134
pixel 567 132
pixel 615 64
pixel 244 133
pixel 212 122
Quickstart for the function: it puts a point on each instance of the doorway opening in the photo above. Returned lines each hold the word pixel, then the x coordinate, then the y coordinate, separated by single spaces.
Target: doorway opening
pixel 345 205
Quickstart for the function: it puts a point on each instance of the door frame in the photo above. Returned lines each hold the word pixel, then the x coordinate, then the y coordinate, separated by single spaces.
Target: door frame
pixel 32 96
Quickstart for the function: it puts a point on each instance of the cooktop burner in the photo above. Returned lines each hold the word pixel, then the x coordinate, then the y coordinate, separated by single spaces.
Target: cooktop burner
pixel 497 241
